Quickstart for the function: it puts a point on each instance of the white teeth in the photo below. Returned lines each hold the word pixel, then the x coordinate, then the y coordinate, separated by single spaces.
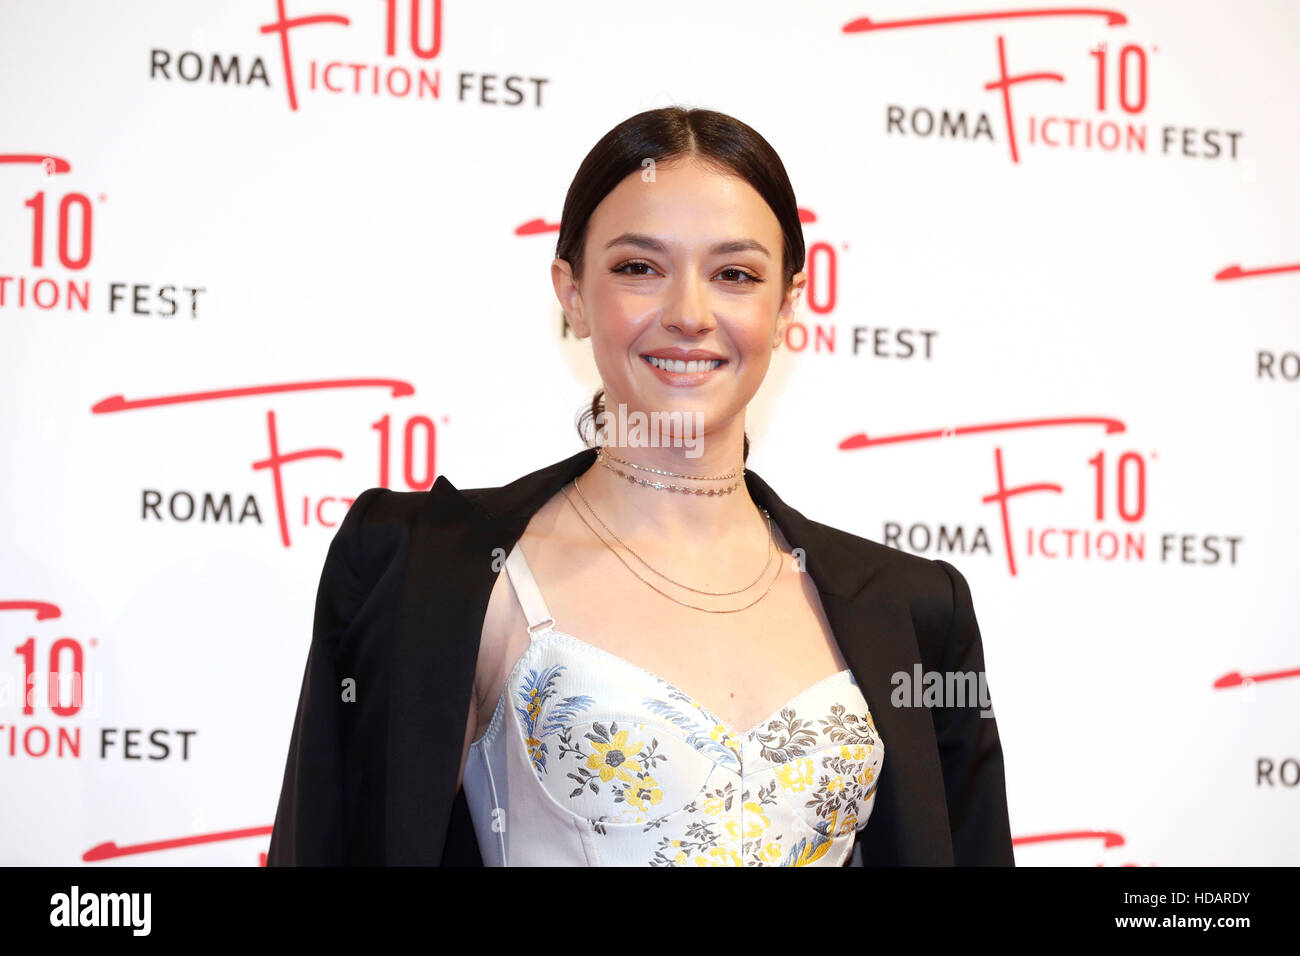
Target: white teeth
pixel 677 365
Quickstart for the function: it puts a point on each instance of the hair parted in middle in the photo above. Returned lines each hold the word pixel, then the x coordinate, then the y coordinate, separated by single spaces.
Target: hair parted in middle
pixel 666 135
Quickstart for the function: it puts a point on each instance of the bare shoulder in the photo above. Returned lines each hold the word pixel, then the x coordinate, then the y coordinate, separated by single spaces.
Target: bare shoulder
pixel 500 611
pixel 505 628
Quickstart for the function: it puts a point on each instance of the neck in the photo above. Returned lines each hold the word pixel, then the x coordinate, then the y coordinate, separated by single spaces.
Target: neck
pixel 696 524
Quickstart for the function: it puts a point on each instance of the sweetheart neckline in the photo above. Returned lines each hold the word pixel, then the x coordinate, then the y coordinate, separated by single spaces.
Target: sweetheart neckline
pixel 623 661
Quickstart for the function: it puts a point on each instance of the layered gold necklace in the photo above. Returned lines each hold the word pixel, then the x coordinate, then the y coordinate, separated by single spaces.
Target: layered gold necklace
pixel 602 454
pixel 665 487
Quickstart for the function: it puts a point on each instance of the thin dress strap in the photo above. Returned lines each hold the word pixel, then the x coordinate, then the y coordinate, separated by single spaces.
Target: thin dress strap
pixel 528 593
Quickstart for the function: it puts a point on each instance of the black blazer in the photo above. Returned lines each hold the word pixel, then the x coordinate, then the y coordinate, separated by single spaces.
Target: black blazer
pixel 400 610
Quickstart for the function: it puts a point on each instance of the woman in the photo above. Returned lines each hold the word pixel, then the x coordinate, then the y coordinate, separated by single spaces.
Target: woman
pixel 658 597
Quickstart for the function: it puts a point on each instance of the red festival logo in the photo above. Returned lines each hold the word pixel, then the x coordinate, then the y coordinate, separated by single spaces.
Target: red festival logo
pixel 1121 80
pixel 418 448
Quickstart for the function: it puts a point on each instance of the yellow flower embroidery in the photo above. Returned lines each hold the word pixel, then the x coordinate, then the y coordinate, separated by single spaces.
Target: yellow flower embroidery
pixel 680 858
pixel 722 736
pixel 612 759
pixel 644 793
pixel 771 853
pixel 713 806
pixel 835 786
pixel 853 753
pixel 756 822
pixel 795 775
pixel 720 856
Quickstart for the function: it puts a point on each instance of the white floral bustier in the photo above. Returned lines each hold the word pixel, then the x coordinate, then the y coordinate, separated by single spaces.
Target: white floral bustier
pixel 590 760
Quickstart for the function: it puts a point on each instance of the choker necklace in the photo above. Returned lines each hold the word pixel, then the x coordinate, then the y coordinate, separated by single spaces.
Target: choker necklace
pixel 664 593
pixel 685 489
pixel 602 450
pixel 766 564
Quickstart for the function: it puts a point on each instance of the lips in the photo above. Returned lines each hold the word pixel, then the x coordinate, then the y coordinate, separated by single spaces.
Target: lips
pixel 672 352
pixel 681 361
pixel 683 365
pixel 683 372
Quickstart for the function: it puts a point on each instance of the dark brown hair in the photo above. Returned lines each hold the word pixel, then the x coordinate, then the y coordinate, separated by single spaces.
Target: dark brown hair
pixel 665 135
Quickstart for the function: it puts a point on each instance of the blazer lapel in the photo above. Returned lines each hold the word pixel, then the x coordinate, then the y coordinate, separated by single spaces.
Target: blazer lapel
pixel 457 543
pixel 872 624
pixel 431 674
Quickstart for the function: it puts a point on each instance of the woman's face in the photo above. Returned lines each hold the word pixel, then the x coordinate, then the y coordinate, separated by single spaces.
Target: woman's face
pixel 688 261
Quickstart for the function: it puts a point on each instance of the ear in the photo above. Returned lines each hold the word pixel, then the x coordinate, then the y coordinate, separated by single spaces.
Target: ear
pixel 566 290
pixel 784 317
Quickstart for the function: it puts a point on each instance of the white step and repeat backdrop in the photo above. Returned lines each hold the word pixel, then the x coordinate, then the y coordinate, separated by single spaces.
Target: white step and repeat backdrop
pixel 258 256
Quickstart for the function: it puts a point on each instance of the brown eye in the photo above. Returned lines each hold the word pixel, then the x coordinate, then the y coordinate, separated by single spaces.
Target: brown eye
pixel 632 263
pixel 743 277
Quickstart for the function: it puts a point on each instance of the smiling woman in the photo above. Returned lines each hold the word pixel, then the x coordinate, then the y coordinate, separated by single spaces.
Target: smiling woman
pixel 717 170
pixel 556 695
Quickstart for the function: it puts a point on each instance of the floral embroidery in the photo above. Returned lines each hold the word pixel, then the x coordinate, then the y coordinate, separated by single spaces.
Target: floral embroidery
pixel 726 738
pixel 611 756
pixel 769 854
pixel 796 775
pixel 538 687
pixel 790 791
pixel 845 784
pixel 705 735
pixel 644 793
pixel 785 738
pixel 810 849
pixel 719 856
pixel 612 760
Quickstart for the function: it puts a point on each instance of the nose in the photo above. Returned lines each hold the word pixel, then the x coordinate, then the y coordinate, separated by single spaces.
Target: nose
pixel 687 310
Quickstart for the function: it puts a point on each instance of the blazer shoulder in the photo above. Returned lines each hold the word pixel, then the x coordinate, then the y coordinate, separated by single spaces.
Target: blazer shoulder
pixel 930 587
pixel 927 573
pixel 476 496
pixel 376 525
pixel 384 508
pixel 382 521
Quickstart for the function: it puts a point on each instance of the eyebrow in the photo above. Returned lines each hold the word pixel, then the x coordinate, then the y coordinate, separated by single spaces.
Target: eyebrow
pixel 721 248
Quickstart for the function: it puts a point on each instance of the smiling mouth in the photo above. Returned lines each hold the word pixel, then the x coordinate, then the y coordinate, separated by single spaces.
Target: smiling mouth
pixel 681 366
